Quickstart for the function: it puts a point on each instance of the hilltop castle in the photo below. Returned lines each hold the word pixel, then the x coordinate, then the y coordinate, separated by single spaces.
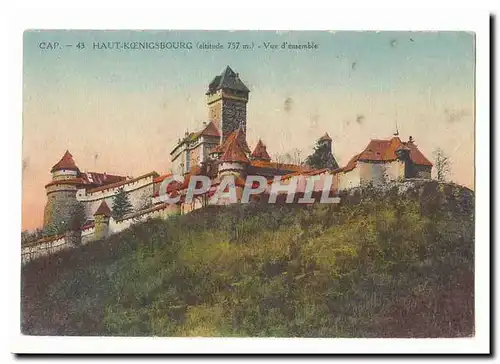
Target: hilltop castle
pixel 217 149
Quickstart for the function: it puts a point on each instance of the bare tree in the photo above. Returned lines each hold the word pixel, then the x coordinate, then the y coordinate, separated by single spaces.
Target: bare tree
pixel 292 157
pixel 295 157
pixel 442 162
pixel 279 161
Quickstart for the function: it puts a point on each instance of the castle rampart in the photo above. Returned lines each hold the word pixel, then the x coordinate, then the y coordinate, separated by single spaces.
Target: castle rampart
pixel 139 191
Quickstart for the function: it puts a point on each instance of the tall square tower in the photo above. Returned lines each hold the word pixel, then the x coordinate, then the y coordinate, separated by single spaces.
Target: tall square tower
pixel 227 98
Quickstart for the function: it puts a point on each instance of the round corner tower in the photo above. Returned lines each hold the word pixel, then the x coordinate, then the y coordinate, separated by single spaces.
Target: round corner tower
pixel 61 191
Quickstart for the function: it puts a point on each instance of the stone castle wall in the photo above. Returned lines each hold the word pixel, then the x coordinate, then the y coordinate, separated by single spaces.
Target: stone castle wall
pixel 139 191
pixel 215 113
pixel 234 115
pixel 61 204
pixel 91 233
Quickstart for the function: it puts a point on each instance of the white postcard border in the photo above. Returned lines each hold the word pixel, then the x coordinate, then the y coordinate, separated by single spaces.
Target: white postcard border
pixel 271 18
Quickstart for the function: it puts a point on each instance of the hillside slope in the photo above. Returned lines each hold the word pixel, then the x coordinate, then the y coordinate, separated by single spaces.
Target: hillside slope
pixel 386 265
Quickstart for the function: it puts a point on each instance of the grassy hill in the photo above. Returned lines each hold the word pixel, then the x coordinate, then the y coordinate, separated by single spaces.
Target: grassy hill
pixel 378 265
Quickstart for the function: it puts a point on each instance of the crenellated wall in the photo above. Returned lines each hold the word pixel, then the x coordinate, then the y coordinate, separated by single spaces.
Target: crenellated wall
pixel 42 248
pixel 162 211
pixel 87 234
pixel 139 192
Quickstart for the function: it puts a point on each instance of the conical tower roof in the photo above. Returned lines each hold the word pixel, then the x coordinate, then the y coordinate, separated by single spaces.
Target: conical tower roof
pixel 103 209
pixel 234 152
pixel 66 162
pixel 325 137
pixel 228 79
pixel 260 152
pixel 237 135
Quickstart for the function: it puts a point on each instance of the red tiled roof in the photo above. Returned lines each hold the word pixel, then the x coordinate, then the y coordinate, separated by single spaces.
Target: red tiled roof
pixel 416 155
pixel 66 162
pixel 234 153
pixel 103 209
pixel 121 183
pixel 325 137
pixel 160 179
pixel 385 151
pixel 217 149
pixel 279 166
pixel 210 130
pixel 100 179
pixel 351 164
pixel 239 136
pixel 260 152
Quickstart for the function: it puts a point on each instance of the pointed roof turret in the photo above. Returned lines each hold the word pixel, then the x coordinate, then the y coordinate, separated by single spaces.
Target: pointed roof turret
pixel 325 137
pixel 103 209
pixel 237 135
pixel 210 130
pixel 228 79
pixel 234 152
pixel 260 152
pixel 66 162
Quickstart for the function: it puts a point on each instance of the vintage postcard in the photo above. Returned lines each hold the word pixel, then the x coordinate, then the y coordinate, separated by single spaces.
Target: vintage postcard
pixel 248 184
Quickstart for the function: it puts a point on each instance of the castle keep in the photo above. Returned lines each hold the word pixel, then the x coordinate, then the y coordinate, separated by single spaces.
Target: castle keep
pixel 227 98
pixel 217 149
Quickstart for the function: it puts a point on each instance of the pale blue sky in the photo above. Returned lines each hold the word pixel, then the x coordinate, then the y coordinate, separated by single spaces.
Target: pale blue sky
pixel 383 60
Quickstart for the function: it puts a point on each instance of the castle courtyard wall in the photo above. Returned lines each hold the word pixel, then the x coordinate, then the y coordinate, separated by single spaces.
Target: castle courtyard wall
pixel 139 193
pixel 349 179
pixel 421 171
